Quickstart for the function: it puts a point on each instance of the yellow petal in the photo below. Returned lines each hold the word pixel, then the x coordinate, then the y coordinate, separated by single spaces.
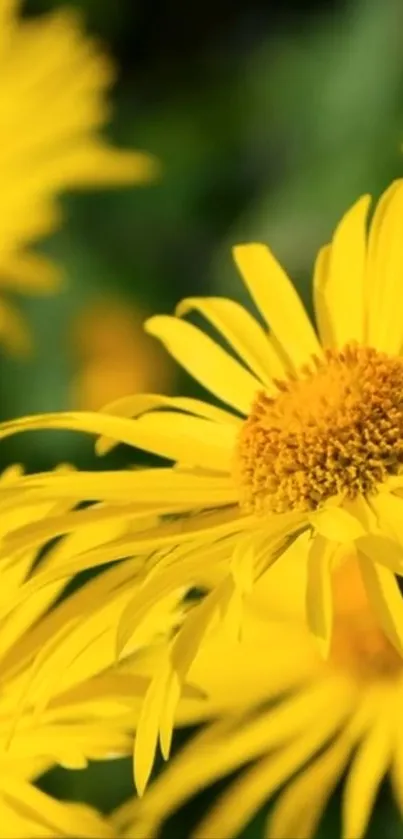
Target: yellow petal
pixel 342 275
pixel 242 332
pixel 148 487
pixel 193 441
pixel 64 819
pixel 384 594
pixel 397 767
pixel 389 510
pixel 366 773
pixel 148 728
pixel 278 301
pixel 13 332
pixel 385 267
pixel 336 524
pixel 298 809
pixel 30 273
pixel 229 744
pixel 383 551
pixel 319 601
pixel 206 361
pixel 246 795
pixel 175 439
pixel 141 403
pixel 323 316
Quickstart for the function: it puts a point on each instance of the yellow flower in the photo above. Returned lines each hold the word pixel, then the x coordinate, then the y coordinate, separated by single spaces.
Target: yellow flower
pixel 287 720
pixel 53 81
pixel 311 443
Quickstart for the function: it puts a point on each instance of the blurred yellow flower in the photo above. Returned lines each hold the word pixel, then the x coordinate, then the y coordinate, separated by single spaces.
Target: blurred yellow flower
pixel 53 81
pixel 286 719
pixel 113 355
pixel 313 444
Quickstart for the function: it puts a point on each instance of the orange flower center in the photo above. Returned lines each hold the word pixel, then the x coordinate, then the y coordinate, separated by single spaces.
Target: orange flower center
pixel 336 429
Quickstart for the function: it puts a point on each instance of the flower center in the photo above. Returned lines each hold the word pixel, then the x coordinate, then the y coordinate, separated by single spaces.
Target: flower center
pixel 336 429
pixel 358 644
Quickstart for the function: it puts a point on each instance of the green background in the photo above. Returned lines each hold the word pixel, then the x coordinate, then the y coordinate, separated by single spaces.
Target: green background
pixel 269 120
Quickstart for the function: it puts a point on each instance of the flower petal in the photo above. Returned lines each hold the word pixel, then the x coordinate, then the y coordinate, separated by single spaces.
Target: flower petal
pixel 389 510
pixel 242 332
pixel 298 809
pixel 319 602
pixel 146 487
pixel 278 301
pixel 141 403
pixel 368 769
pixel 206 361
pixel 385 268
pixel 247 794
pixel 340 276
pixel 188 439
pixel 322 314
pixel 384 594
pixel 336 524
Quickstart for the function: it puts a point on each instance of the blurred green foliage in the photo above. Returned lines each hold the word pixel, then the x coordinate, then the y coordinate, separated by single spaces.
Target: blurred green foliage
pixel 268 125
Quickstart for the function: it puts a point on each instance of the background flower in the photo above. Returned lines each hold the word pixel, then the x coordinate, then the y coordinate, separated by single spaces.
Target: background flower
pixel 114 356
pixel 281 722
pixel 52 104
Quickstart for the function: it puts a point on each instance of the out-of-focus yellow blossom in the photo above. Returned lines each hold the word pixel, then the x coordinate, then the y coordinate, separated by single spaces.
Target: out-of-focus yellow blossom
pixel 63 699
pixel 286 719
pixel 53 81
pixel 114 356
pixel 311 443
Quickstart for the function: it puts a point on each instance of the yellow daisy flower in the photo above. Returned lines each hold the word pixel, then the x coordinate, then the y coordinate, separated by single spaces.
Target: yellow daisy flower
pixel 287 720
pixel 311 441
pixel 53 81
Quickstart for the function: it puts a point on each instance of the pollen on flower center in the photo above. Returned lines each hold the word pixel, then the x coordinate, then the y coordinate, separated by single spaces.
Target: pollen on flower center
pixel 336 429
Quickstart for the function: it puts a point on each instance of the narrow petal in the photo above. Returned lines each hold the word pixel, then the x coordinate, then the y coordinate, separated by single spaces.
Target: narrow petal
pixel 141 403
pixel 193 441
pixel 389 510
pixel 206 361
pixel 323 316
pixel 336 524
pixel 13 330
pixel 246 796
pixel 162 536
pixel 30 273
pixel 341 275
pixel 319 600
pixel 148 729
pixel 242 332
pixel 278 302
pixel 385 267
pixel 188 568
pixel 63 819
pixel 179 437
pixel 384 594
pixel 383 551
pixel 231 743
pixel 183 652
pixel 146 486
pixel 397 767
pixel 366 773
pixel 299 808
